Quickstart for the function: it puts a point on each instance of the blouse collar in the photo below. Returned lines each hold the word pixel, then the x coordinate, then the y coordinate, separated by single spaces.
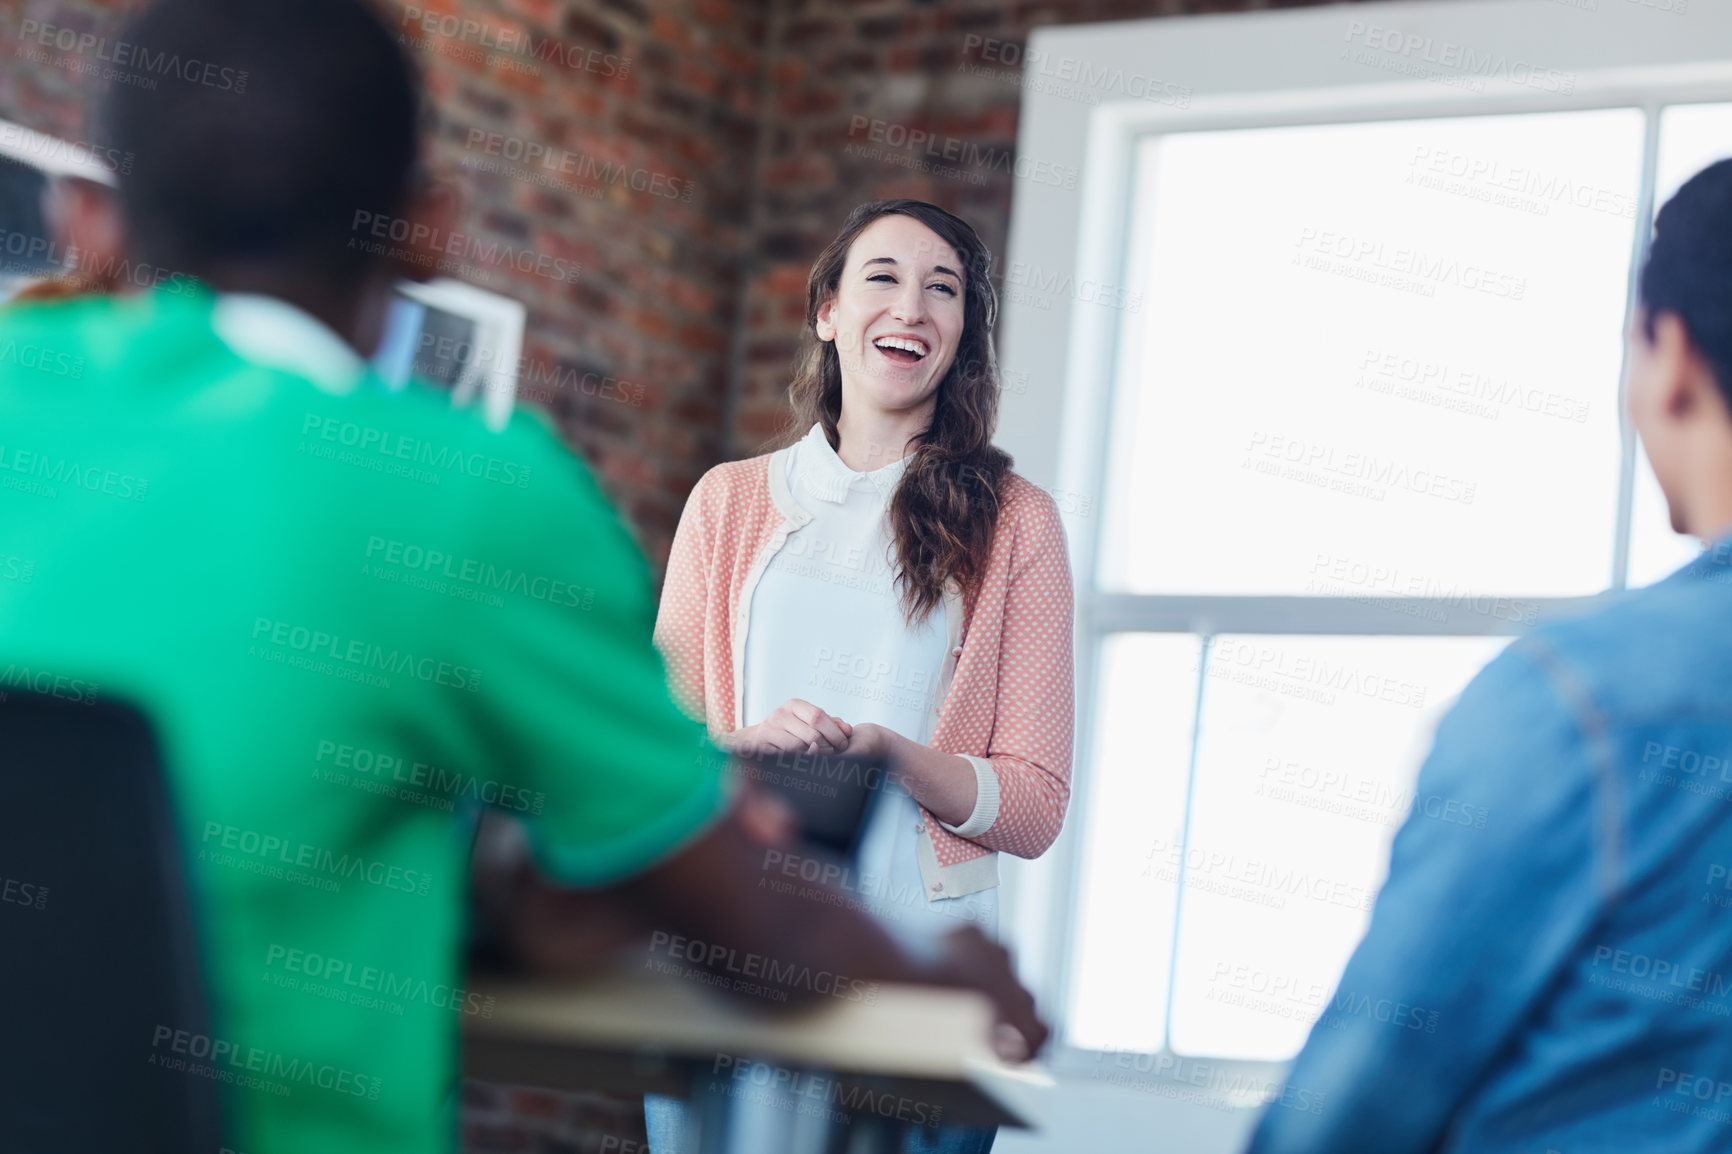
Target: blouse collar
pixel 827 477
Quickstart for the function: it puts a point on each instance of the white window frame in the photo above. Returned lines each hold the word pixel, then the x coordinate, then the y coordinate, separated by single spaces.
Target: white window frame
pixel 1253 70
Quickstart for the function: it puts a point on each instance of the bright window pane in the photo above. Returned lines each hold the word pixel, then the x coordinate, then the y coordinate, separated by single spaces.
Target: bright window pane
pixel 1142 739
pixel 1306 760
pixel 1399 337
pixel 1692 136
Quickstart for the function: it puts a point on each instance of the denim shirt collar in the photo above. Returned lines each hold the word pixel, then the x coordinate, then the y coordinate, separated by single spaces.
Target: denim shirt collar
pixel 1716 555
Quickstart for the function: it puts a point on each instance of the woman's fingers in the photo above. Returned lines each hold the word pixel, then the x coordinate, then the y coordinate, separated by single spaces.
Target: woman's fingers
pixel 780 740
pixel 804 710
pixel 807 721
pixel 806 734
pixel 832 731
pixel 776 734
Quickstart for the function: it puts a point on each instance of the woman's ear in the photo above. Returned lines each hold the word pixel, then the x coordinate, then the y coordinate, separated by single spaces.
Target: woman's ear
pixel 825 325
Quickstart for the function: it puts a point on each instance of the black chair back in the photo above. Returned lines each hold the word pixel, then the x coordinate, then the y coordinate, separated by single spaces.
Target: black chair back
pixel 98 947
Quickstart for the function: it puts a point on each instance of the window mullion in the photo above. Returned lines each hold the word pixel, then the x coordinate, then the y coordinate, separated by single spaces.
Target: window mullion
pixel 1208 641
pixel 1645 196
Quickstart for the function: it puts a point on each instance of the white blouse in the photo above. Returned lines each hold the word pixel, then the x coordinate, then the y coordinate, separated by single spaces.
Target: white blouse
pixel 826 626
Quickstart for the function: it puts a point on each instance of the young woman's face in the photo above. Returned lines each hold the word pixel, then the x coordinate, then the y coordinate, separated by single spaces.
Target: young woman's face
pixel 896 319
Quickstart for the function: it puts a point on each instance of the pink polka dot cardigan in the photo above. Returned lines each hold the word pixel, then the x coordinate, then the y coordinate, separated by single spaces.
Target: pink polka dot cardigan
pixel 1007 691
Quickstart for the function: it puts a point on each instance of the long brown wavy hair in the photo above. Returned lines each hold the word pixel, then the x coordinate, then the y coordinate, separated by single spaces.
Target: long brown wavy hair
pixel 945 510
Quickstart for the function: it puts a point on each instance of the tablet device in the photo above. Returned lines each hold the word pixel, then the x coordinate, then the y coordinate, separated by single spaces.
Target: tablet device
pixel 830 792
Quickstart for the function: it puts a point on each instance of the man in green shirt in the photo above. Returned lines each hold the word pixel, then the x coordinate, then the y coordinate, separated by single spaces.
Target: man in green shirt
pixel 352 616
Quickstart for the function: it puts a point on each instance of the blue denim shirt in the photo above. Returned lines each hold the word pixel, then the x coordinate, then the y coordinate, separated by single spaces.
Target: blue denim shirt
pixel 1559 980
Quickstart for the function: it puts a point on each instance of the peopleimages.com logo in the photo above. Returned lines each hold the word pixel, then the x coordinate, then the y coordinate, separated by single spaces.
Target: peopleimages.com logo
pixel 971 157
pixel 248 849
pixel 226 1061
pixel 374 230
pixel 141 60
pixel 1426 56
pixel 485 39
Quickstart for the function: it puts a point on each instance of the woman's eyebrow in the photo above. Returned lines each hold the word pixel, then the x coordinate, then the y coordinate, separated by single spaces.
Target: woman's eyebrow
pixel 890 260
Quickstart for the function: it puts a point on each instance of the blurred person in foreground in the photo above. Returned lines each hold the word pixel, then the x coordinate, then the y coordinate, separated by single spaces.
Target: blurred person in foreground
pixel 353 616
pixel 1561 979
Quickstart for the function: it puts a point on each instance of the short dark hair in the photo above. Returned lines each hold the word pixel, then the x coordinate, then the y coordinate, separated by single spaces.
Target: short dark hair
pixel 298 114
pixel 1689 268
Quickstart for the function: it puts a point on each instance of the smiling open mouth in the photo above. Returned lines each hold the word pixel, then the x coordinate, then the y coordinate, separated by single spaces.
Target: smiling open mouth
pixel 901 350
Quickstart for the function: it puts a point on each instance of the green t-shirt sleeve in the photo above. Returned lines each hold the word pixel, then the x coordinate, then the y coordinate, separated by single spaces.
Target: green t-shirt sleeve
pixel 573 701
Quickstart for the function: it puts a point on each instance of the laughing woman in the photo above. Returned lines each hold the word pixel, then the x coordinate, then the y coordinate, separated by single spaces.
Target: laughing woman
pixel 884 585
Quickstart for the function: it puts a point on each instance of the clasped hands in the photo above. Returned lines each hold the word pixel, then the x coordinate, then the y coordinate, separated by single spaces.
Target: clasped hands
pixel 942 783
pixel 798 726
